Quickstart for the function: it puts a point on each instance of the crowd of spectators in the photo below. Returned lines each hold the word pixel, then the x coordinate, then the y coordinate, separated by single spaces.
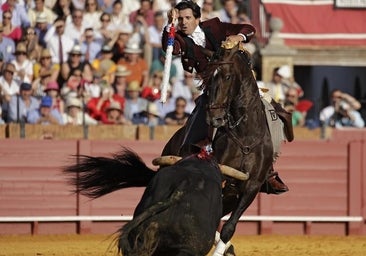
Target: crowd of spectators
pixel 93 62
pixel 101 62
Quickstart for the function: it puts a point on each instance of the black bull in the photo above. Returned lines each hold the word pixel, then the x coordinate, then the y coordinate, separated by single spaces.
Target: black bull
pixel 179 211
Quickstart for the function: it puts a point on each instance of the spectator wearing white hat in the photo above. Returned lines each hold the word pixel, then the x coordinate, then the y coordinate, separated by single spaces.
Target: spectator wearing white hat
pixel 134 105
pixel 280 84
pixel 45 64
pixel 119 45
pixel 120 82
pixel 23 66
pixel 41 27
pixel 114 114
pixel 40 8
pixel 8 85
pixel 135 63
pixel 75 62
pixel 74 114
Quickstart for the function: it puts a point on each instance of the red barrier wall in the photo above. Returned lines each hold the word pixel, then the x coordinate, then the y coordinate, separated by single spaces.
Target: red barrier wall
pixel 325 179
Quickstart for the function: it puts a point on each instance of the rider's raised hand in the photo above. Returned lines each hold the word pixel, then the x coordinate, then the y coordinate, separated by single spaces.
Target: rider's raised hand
pixel 172 15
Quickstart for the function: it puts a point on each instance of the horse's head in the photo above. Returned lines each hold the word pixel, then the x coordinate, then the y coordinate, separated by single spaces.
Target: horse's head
pixel 227 74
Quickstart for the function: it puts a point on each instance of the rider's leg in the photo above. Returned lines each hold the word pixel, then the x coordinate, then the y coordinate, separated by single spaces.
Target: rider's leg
pixel 280 126
pixel 276 184
pixel 196 126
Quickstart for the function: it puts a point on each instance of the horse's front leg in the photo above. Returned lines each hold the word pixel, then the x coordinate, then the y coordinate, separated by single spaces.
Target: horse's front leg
pixel 228 228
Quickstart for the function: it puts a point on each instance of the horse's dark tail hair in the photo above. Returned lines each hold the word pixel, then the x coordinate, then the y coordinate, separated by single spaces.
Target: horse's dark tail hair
pixel 98 176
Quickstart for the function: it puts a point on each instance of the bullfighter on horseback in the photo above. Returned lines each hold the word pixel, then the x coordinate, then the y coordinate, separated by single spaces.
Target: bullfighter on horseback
pixel 195 42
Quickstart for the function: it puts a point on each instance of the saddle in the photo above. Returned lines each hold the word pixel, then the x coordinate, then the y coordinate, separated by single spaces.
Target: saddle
pixel 286 118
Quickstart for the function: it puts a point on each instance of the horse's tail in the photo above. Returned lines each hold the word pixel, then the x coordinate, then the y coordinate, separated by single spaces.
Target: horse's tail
pixel 141 235
pixel 98 176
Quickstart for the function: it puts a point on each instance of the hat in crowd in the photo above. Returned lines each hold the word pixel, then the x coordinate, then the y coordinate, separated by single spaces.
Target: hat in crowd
pixel 45 53
pixel 76 49
pixel 21 48
pixel 122 71
pixel 133 86
pixel 133 47
pixel 73 102
pixel 46 101
pixel 126 29
pixel 106 48
pixel 107 66
pixel 25 86
pixel 114 105
pixel 41 18
pixel 152 109
pixel 284 71
pixel 52 85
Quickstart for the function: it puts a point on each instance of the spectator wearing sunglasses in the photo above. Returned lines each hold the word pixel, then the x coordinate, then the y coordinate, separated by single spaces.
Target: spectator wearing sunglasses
pixel 23 66
pixel 8 86
pixel 10 30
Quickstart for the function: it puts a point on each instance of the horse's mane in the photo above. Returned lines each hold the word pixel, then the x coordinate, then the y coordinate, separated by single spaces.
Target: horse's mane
pixel 218 58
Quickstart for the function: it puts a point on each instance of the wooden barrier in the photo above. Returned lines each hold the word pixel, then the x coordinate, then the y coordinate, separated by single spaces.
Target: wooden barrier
pixel 326 181
pixel 160 132
pixel 102 132
pixel 140 132
pixel 3 128
pixel 303 133
pixel 39 132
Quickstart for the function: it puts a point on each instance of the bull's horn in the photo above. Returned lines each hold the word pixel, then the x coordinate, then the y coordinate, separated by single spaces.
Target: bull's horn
pixel 166 160
pixel 232 172
pixel 227 170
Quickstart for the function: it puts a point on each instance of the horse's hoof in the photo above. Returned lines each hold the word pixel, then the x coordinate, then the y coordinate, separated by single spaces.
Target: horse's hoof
pixel 230 251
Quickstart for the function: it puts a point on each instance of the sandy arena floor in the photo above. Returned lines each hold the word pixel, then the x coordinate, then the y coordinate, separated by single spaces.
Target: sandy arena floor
pixel 99 245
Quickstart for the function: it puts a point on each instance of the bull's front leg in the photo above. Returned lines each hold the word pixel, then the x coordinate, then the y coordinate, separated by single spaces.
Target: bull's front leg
pixel 228 228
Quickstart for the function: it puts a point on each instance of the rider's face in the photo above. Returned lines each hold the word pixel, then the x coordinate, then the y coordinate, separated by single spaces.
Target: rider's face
pixel 187 22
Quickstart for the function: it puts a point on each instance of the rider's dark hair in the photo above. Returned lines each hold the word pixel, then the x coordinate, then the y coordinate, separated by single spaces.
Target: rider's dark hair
pixel 189 4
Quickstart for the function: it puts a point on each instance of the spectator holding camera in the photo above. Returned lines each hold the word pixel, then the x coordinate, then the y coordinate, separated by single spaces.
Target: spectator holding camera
pixel 343 111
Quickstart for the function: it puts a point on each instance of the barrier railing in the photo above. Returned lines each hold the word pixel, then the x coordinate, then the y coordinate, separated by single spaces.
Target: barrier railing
pixel 307 220
pixel 138 132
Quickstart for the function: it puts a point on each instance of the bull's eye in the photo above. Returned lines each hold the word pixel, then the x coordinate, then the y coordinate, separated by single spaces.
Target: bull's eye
pixel 227 77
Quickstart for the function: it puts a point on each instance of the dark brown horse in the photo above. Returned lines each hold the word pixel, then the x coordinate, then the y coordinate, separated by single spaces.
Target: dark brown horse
pixel 232 105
